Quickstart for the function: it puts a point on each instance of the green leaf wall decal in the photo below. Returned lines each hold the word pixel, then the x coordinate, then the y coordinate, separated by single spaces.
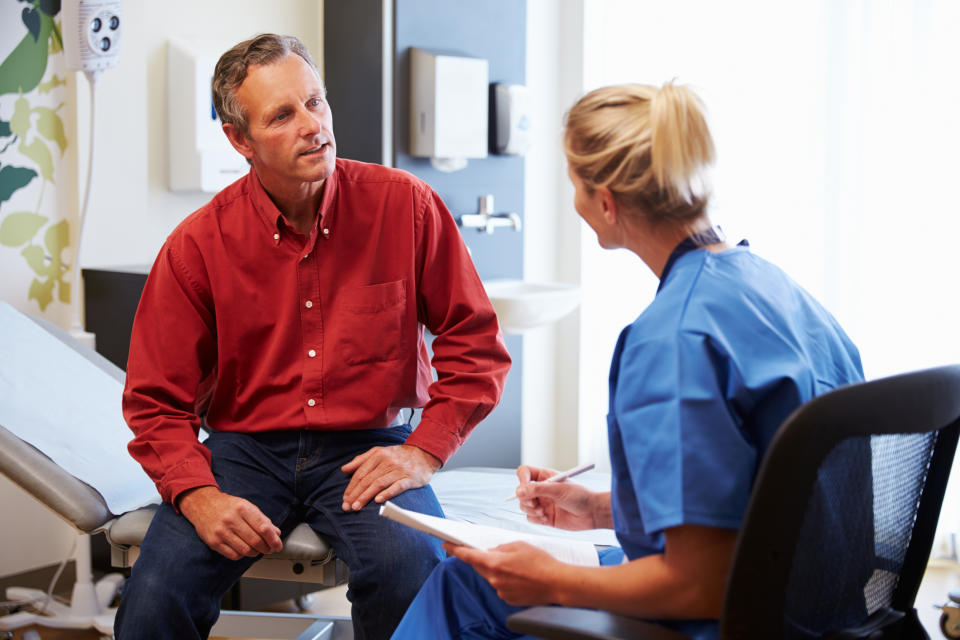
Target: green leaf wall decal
pixel 49 7
pixel 56 238
pixel 42 292
pixel 54 81
pixel 50 126
pixel 13 178
pixel 20 122
pixel 31 18
pixel 22 70
pixel 38 152
pixel 36 259
pixel 19 228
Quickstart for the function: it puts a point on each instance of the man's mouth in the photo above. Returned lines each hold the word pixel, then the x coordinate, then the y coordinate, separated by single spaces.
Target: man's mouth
pixel 315 150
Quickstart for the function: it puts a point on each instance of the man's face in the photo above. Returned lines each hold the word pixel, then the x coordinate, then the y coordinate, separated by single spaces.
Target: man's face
pixel 290 134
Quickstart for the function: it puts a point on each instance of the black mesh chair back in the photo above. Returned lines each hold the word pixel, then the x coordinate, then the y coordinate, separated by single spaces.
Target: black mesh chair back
pixel 842 517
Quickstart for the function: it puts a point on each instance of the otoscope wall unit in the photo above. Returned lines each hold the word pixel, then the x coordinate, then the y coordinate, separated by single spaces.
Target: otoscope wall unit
pixel 201 158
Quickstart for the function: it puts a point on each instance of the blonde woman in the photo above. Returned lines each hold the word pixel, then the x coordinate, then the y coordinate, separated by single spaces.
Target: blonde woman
pixel 699 383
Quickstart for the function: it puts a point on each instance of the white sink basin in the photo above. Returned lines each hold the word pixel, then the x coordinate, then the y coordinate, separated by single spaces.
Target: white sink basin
pixel 522 305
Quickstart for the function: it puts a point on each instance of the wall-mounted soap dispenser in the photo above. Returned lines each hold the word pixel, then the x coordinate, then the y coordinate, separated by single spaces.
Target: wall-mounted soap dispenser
pixel 511 133
pixel 448 108
pixel 200 156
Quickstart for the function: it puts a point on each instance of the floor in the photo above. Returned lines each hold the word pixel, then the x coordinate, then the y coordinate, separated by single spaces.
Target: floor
pixel 940 578
pixel 329 601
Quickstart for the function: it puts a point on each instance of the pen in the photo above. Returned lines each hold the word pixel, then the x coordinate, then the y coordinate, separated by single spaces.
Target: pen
pixel 560 477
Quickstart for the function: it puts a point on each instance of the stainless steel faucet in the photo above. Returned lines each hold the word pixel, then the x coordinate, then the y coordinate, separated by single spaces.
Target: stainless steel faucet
pixel 486 220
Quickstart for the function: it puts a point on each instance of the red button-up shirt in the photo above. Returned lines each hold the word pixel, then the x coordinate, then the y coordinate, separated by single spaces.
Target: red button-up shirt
pixel 266 329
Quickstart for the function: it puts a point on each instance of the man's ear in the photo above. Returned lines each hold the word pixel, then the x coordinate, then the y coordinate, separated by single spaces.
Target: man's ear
pixel 239 141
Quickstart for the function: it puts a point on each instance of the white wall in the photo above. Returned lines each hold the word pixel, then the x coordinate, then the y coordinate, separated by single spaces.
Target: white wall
pixel 131 211
pixel 551 234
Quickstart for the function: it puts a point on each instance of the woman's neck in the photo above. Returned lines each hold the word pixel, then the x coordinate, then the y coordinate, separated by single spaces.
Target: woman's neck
pixel 654 244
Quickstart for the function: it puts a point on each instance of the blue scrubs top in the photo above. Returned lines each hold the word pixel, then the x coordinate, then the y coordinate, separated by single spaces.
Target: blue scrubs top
pixel 700 382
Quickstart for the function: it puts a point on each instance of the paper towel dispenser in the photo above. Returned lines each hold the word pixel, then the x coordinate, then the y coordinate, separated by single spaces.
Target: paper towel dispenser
pixel 448 108
pixel 200 156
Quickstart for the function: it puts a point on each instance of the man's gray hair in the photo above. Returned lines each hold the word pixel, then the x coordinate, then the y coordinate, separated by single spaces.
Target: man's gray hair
pixel 232 67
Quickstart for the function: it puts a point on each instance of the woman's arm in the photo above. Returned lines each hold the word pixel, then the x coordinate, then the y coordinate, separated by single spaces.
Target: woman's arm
pixel 687 581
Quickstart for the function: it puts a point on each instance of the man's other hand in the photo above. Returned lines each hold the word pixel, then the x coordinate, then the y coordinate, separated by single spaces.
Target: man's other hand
pixel 231 526
pixel 384 472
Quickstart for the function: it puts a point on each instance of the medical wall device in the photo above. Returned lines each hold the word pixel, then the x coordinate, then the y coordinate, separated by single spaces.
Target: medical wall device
pixel 448 108
pixel 91 31
pixel 91 34
pixel 511 119
pixel 200 156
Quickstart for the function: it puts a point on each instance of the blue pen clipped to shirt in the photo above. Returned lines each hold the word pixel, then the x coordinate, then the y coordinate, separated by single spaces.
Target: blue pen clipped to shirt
pixel 560 477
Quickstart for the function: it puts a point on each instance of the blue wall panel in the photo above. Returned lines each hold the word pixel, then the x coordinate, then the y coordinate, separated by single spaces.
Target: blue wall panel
pixel 490 29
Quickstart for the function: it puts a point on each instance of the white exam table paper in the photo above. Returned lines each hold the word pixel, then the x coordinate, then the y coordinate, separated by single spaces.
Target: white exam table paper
pixel 68 408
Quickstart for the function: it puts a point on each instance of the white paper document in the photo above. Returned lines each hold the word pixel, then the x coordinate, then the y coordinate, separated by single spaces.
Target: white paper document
pixel 484 537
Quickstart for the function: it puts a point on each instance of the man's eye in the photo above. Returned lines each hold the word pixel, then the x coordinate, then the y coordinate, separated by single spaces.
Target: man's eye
pixel 316 102
pixel 280 117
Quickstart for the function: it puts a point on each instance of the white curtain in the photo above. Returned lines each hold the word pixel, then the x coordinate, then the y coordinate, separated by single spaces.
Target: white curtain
pixel 838 136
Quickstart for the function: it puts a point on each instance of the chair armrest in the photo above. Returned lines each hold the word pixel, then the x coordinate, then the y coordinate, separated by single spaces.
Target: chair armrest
pixel 568 623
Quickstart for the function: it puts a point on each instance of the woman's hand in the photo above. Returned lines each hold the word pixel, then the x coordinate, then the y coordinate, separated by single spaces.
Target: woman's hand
pixel 564 505
pixel 522 574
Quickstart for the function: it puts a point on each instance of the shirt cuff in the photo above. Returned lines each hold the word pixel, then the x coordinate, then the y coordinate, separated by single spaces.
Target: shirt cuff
pixel 183 477
pixel 436 439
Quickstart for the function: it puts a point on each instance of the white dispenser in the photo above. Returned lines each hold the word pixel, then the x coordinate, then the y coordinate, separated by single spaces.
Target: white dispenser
pixel 511 107
pixel 448 108
pixel 201 158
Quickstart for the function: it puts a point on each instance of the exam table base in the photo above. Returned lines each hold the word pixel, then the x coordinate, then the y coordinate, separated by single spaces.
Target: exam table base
pixel 89 601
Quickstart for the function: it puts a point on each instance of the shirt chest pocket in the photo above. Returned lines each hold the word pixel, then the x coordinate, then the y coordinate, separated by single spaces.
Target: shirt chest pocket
pixel 374 317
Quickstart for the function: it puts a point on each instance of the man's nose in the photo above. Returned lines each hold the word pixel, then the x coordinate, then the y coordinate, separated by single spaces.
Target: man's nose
pixel 309 123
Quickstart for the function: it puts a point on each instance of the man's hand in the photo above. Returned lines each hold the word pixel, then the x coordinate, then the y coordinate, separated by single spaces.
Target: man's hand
pixel 384 472
pixel 231 526
pixel 522 574
pixel 564 505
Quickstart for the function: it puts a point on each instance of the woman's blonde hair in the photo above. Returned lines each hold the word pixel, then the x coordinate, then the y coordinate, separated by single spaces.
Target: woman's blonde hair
pixel 650 146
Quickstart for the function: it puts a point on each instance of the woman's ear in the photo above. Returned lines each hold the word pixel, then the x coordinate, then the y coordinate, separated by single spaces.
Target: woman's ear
pixel 239 141
pixel 609 205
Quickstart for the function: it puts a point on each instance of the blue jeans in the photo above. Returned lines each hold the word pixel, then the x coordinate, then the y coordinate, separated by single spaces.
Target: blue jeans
pixel 177 583
pixel 457 603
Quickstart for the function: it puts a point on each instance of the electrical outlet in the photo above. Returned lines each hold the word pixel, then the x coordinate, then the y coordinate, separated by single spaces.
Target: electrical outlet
pixel 91 33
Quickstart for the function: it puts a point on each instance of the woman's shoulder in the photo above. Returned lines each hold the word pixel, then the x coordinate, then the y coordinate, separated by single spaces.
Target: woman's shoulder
pixel 733 294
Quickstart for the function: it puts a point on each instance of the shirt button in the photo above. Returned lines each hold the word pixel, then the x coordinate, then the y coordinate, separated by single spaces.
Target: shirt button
pixel 308 304
pixel 276 236
pixel 311 402
pixel 311 353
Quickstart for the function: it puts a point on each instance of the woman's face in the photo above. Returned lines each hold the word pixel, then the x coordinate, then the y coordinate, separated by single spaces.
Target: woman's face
pixel 591 209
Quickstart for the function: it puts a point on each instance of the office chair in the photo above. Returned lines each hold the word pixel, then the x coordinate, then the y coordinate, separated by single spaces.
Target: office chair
pixel 839 527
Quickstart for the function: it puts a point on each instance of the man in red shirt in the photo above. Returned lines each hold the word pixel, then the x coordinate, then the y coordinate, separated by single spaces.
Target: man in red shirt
pixel 287 315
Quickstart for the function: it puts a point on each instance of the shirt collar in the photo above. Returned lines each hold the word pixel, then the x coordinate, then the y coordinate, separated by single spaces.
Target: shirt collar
pixel 273 219
pixel 693 242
